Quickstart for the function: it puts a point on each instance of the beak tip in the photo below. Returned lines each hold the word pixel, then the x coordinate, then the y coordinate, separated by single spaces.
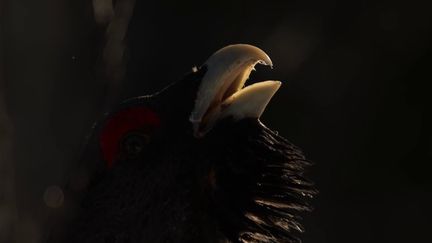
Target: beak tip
pixel 265 60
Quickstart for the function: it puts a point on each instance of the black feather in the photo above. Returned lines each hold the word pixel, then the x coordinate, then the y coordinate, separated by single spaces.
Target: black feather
pixel 260 185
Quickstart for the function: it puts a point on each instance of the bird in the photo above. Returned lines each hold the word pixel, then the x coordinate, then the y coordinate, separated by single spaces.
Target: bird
pixel 194 163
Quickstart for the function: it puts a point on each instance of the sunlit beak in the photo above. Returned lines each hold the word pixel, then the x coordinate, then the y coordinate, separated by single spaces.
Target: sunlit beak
pixel 222 93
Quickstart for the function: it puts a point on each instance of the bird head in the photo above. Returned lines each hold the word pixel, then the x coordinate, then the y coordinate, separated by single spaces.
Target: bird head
pixel 193 106
pixel 196 160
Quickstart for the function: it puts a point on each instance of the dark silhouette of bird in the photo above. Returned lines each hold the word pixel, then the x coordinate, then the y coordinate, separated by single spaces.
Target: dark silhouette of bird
pixel 194 163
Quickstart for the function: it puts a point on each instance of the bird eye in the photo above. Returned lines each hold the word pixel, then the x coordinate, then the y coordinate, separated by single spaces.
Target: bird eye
pixel 134 143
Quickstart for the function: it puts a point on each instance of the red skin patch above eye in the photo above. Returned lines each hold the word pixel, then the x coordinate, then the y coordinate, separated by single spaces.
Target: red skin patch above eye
pixel 119 124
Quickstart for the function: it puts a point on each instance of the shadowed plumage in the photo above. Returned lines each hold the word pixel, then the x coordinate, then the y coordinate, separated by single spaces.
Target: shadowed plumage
pixel 161 176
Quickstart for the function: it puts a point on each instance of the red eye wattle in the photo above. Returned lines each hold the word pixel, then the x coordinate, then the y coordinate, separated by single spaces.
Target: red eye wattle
pixel 119 124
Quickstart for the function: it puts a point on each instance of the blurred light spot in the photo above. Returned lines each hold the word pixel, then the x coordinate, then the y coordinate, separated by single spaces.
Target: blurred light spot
pixel 103 11
pixel 53 197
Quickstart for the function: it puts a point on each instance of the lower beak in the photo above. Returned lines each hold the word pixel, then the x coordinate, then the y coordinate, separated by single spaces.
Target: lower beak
pixel 222 93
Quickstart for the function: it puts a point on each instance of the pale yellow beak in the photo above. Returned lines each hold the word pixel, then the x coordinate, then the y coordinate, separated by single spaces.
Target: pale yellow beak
pixel 222 93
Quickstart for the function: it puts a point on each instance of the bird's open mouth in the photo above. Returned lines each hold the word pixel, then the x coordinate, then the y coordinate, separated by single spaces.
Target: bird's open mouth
pixel 222 92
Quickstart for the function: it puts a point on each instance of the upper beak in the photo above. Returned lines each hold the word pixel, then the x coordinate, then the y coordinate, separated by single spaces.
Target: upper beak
pixel 222 93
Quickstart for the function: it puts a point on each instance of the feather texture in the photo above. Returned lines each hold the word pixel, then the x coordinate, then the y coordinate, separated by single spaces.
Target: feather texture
pixel 260 186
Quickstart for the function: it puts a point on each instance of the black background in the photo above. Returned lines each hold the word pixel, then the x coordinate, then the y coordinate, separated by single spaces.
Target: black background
pixel 356 96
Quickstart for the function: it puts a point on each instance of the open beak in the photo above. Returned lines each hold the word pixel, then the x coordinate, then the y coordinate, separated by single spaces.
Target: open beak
pixel 222 92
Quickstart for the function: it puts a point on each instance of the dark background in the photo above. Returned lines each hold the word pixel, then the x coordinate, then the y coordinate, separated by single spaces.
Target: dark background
pixel 356 97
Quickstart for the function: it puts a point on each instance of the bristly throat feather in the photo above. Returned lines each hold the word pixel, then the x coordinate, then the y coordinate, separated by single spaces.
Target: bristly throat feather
pixel 258 183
